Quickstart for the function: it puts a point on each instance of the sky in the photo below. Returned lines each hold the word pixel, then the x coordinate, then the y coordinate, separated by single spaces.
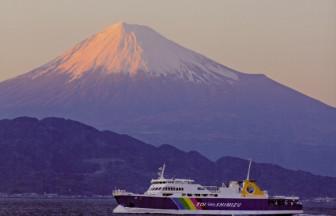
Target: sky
pixel 292 42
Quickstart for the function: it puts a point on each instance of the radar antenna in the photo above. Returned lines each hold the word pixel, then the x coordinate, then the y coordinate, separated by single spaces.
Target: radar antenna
pixel 161 171
pixel 249 169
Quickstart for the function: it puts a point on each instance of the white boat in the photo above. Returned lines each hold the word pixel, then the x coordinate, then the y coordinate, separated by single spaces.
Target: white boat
pixel 184 196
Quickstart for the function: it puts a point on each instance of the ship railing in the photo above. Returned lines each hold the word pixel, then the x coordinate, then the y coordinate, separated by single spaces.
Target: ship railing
pixel 211 188
pixel 119 192
pixel 286 197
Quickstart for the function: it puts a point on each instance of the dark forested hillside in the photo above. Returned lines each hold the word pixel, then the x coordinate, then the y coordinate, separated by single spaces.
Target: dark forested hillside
pixel 55 155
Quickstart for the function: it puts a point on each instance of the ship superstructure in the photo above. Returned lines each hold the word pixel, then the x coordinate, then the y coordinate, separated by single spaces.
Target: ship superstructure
pixel 184 196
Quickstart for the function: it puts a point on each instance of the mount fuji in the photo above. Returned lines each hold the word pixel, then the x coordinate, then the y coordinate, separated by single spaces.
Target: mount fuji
pixel 130 79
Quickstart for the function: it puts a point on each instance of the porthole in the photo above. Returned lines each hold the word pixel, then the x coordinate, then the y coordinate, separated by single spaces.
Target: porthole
pixel 250 189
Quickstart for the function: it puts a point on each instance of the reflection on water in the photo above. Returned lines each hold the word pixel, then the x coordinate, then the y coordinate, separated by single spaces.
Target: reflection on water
pixel 85 207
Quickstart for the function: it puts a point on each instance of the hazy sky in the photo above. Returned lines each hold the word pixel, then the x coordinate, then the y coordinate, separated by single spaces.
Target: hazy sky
pixel 291 41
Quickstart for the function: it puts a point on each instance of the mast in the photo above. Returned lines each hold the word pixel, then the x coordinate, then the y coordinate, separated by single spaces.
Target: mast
pixel 161 171
pixel 249 169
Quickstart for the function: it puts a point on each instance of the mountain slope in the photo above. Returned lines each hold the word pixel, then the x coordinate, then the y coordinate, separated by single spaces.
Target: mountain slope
pixel 55 155
pixel 130 79
pixel 131 50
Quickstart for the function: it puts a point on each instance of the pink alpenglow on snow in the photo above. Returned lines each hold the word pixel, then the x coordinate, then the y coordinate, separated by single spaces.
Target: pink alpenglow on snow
pixel 129 49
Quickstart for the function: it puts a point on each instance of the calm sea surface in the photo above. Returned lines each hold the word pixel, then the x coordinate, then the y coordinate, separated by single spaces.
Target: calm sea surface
pixel 84 207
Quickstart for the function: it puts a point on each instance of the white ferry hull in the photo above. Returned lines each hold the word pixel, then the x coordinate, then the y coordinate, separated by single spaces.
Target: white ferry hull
pixel 127 210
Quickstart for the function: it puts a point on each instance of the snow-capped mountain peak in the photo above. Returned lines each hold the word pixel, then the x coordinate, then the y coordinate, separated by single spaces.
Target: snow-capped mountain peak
pixel 132 49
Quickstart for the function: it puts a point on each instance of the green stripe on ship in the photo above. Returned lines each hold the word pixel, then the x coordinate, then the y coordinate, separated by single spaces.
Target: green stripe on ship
pixel 184 203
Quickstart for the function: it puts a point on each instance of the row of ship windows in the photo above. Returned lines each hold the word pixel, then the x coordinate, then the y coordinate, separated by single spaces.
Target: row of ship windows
pixel 173 188
pixel 168 188
pixel 196 195
pixel 281 202
pixel 163 182
pixel 171 182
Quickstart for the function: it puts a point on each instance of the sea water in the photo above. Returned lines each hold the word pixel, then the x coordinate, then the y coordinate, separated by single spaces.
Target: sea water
pixel 87 207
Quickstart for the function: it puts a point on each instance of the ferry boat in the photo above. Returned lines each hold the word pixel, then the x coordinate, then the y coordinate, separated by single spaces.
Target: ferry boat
pixel 184 196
